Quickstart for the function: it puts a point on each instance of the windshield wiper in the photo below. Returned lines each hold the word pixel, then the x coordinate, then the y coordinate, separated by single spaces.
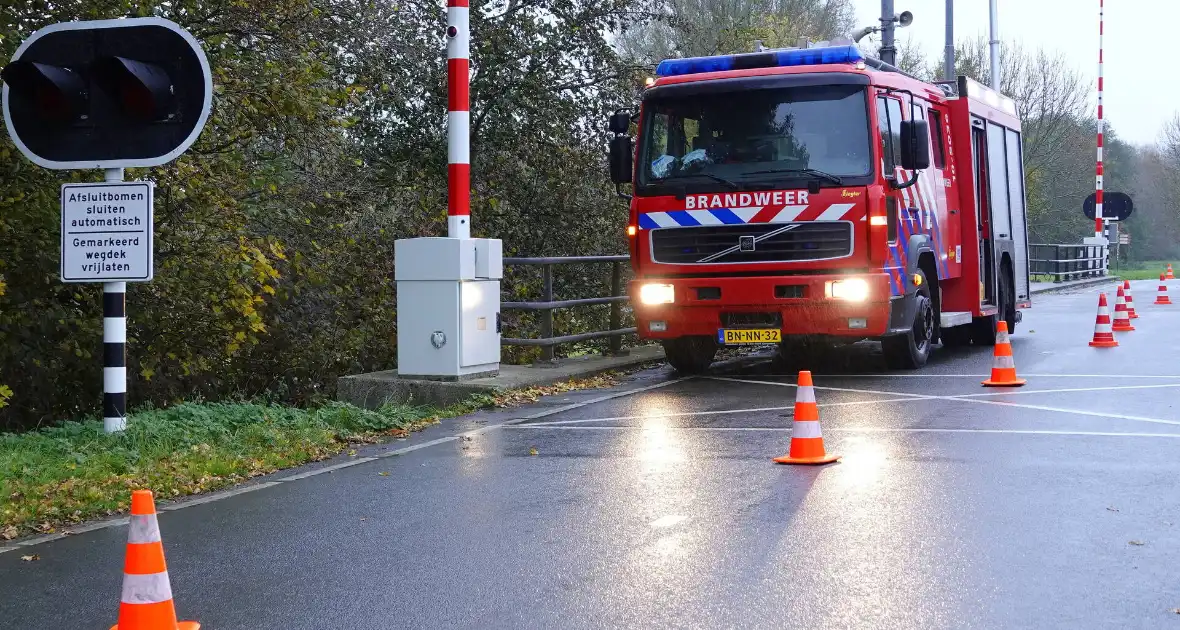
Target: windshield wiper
pixel 717 178
pixel 835 179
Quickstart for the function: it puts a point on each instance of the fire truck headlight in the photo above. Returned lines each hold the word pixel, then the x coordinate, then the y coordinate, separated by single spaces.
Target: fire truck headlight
pixel 851 290
pixel 652 294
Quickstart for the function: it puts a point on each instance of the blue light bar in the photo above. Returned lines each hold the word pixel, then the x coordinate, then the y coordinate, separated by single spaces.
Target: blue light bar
pixel 768 59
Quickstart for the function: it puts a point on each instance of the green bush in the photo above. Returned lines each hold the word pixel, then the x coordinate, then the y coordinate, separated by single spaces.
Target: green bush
pixel 275 232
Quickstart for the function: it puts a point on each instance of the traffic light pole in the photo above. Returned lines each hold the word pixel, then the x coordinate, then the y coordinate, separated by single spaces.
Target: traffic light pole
pixel 114 345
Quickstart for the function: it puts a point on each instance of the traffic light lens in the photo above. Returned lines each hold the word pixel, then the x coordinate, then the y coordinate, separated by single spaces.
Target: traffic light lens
pixel 137 99
pixel 57 94
pixel 144 91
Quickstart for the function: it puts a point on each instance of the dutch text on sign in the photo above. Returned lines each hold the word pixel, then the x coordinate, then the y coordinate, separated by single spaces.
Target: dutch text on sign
pixel 106 232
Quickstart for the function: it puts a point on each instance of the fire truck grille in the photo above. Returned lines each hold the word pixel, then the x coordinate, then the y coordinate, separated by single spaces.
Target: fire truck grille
pixel 752 243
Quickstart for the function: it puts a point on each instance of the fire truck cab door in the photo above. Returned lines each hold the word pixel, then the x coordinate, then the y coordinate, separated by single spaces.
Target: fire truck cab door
pixel 984 232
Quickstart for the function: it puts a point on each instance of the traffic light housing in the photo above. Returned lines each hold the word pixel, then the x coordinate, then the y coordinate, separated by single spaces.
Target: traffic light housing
pixel 107 93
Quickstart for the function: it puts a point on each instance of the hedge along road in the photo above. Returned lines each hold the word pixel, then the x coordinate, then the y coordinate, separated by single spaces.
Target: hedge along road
pixel 656 504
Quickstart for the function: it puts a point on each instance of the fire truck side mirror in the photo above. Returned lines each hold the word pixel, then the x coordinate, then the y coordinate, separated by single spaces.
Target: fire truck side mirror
pixel 621 149
pixel 620 122
pixel 915 145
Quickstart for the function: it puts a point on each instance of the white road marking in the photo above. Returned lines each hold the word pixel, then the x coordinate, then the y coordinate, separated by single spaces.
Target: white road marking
pixel 825 387
pixel 859 430
pixel 667 521
pixel 1079 412
pixel 1068 389
pixel 327 469
pixel 967 399
pixel 719 412
pixel 983 376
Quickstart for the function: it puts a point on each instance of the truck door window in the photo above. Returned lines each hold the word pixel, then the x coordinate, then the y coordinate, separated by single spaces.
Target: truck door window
pixel 997 166
pixel 936 140
pixel 889 126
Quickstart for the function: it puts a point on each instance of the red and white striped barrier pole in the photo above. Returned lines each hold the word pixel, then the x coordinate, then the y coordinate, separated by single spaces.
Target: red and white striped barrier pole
pixel 1098 226
pixel 458 120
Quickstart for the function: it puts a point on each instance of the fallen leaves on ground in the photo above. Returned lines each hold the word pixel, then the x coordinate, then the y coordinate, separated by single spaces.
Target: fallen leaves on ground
pixel 352 453
pixel 532 450
pixel 532 394
pixel 384 473
pixel 1137 543
pixel 1113 509
pixel 1176 610
pixel 10 532
pixel 32 558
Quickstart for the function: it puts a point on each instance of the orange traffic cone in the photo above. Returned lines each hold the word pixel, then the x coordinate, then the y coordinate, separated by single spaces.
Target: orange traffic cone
pixel 1130 300
pixel 1003 366
pixel 1162 296
pixel 1103 337
pixel 147 594
pixel 1122 319
pixel 807 443
pixel 1169 275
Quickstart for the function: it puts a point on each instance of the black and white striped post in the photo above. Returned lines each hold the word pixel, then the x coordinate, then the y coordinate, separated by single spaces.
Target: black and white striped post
pixel 114 346
pixel 114 356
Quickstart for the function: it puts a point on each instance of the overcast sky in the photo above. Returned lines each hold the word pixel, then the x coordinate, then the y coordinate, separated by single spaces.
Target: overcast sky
pixel 1141 89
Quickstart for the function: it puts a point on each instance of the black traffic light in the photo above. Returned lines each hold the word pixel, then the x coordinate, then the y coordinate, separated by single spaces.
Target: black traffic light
pixel 108 93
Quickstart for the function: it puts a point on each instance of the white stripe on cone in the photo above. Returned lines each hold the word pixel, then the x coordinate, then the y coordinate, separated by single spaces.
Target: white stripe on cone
pixel 806 394
pixel 152 588
pixel 1004 362
pixel 805 429
pixel 144 529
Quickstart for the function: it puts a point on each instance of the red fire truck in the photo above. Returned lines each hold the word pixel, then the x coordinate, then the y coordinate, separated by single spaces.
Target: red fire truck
pixel 805 197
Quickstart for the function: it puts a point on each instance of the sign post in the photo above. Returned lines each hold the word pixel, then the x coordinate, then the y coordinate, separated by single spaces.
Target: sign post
pixel 106 235
pixel 107 94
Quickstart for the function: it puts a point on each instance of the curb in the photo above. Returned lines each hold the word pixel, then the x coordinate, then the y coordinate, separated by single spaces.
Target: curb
pixel 1077 284
pixel 376 388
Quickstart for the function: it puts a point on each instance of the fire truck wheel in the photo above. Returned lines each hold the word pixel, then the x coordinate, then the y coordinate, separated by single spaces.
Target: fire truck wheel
pixel 690 355
pixel 1009 289
pixel 911 350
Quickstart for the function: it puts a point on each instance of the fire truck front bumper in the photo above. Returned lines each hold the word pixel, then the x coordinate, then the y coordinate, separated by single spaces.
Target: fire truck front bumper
pixel 838 305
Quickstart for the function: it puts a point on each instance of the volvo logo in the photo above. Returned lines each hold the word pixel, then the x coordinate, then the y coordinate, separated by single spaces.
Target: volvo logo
pixel 746 243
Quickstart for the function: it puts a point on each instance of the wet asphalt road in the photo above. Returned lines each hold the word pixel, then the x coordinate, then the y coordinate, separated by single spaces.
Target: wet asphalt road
pixel 1056 505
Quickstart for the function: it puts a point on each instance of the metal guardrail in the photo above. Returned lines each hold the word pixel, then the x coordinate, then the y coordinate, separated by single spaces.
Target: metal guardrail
pixel 1067 262
pixel 547 305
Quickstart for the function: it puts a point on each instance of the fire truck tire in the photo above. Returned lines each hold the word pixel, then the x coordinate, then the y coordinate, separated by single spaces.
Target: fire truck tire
pixel 1008 286
pixel 690 355
pixel 910 351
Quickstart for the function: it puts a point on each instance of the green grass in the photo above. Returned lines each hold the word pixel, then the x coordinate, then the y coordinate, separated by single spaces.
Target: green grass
pixel 1144 270
pixel 74 472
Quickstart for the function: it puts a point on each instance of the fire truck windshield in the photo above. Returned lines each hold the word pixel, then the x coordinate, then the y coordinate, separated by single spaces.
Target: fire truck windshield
pixel 754 139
